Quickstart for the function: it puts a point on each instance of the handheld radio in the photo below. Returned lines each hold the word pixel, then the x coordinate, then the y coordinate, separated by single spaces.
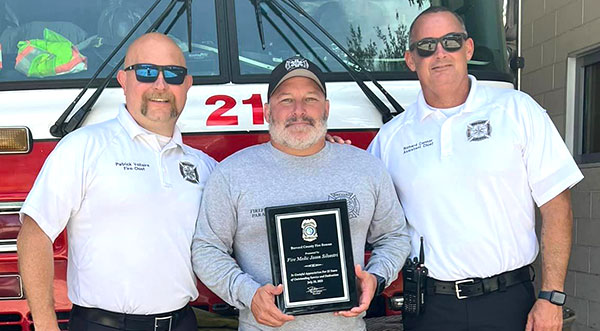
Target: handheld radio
pixel 415 283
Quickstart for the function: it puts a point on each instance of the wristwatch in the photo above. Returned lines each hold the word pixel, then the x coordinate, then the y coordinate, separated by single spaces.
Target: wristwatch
pixel 380 284
pixel 556 297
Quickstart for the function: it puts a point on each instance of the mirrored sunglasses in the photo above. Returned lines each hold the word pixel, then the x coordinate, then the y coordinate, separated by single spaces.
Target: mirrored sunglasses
pixel 451 42
pixel 148 73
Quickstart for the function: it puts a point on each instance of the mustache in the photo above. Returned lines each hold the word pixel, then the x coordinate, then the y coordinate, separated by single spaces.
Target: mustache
pixel 311 121
pixel 159 95
pixel 147 96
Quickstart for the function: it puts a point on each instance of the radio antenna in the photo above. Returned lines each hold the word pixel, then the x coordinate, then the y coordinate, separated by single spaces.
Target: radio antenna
pixel 421 253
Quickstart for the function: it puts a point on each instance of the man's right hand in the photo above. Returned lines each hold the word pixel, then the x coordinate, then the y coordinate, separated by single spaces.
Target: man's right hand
pixel 264 309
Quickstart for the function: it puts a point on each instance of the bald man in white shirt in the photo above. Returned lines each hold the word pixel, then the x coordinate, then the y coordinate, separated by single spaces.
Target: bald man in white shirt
pixel 128 191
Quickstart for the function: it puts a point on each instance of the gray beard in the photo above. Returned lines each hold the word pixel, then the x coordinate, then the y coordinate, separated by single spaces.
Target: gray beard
pixel 282 135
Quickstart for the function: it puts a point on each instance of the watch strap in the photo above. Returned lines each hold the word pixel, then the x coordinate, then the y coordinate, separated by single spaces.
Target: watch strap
pixel 380 284
pixel 555 297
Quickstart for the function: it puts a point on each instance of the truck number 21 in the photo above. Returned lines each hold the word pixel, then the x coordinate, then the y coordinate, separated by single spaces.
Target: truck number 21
pixel 218 117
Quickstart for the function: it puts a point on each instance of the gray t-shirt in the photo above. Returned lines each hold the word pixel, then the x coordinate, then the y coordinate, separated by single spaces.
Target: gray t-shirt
pixel 231 221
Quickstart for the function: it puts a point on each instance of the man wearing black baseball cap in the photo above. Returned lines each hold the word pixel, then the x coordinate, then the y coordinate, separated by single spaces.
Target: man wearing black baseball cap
pixel 297 166
pixel 295 67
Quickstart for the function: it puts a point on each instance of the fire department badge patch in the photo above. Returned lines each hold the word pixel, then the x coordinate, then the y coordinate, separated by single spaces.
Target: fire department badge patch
pixel 188 172
pixel 309 230
pixel 479 130
pixel 292 64
pixel 352 201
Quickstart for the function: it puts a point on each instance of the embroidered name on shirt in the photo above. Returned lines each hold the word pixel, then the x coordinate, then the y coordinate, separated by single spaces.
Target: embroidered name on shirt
pixel 132 166
pixel 419 145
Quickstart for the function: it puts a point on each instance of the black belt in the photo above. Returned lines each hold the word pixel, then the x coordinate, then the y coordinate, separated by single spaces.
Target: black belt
pixel 472 287
pixel 157 322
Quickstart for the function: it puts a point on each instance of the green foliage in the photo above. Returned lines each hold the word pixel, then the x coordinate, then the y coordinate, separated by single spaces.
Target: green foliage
pixel 365 54
pixel 394 42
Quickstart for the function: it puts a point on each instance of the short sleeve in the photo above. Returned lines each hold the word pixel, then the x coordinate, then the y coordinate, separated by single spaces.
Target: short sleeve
pixel 59 188
pixel 550 166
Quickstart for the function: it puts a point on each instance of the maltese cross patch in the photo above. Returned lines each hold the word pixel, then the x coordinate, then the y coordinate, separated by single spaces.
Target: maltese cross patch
pixel 188 172
pixel 479 130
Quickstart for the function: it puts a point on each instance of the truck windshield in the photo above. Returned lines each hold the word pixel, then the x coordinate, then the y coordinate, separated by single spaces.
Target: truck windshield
pixel 36 37
pixel 374 31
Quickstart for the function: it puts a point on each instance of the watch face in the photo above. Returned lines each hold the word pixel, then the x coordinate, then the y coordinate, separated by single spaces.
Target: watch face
pixel 558 298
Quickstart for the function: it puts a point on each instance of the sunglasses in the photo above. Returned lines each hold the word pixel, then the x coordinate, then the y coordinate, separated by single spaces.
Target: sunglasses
pixel 148 73
pixel 451 42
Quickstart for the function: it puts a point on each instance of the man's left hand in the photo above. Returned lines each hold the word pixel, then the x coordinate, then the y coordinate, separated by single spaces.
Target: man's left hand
pixel 544 316
pixel 367 284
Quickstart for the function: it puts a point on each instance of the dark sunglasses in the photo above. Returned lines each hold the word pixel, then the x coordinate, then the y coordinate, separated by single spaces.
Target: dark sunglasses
pixel 148 73
pixel 451 42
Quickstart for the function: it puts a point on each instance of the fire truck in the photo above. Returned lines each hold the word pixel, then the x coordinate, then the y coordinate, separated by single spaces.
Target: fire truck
pixel 230 48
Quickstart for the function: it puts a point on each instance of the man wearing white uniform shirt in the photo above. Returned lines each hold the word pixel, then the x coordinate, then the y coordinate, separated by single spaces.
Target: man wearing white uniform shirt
pixel 128 191
pixel 468 163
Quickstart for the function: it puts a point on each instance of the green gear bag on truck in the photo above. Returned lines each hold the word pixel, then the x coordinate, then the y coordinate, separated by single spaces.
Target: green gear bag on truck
pixel 51 56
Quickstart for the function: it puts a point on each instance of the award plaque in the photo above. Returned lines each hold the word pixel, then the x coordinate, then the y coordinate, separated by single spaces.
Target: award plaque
pixel 311 255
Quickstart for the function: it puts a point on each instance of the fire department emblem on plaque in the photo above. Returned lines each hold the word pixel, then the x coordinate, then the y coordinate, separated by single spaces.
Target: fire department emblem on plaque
pixel 351 200
pixel 188 172
pixel 309 230
pixel 479 130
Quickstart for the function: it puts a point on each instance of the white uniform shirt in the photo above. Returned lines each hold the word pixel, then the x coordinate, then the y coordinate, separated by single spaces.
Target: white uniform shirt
pixel 468 182
pixel 130 209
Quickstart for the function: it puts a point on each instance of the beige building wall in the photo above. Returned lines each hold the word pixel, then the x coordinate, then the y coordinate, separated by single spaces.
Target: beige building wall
pixel 554 34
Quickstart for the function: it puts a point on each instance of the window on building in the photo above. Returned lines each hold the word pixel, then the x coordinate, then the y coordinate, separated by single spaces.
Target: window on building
pixel 588 117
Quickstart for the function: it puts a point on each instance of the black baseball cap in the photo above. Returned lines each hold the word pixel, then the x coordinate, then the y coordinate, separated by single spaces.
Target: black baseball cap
pixel 296 66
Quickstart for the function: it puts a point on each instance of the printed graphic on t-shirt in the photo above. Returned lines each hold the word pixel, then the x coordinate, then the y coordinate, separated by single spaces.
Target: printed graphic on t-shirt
pixel 352 201
pixel 257 212
pixel 479 130
pixel 188 172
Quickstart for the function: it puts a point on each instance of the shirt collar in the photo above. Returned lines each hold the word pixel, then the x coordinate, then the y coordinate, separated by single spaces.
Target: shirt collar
pixel 133 129
pixel 424 110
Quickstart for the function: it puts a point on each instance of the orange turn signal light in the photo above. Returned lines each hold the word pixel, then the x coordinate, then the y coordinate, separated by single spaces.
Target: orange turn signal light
pixel 15 140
